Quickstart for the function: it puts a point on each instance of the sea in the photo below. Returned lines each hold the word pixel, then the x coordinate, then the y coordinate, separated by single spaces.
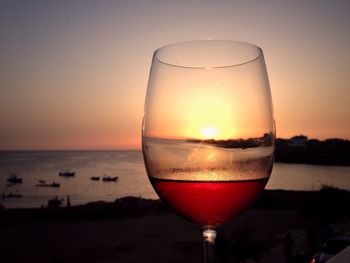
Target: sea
pixel 33 166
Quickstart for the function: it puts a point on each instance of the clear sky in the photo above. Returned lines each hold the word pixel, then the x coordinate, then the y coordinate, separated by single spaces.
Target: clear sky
pixel 73 74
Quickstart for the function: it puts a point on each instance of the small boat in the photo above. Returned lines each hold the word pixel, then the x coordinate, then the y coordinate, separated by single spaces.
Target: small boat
pixel 11 195
pixel 42 181
pixel 110 178
pixel 66 174
pixel 95 178
pixel 48 185
pixel 14 179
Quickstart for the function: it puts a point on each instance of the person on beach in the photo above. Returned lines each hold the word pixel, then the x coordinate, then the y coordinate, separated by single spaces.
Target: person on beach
pixel 68 202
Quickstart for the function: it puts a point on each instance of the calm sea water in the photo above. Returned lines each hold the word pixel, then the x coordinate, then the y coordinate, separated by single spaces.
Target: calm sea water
pixel 133 181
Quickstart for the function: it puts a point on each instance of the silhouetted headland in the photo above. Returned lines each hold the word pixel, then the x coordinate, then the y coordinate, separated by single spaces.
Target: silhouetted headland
pixel 298 149
pixel 265 140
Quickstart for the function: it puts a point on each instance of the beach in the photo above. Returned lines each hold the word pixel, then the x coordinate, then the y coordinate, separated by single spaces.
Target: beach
pixel 138 230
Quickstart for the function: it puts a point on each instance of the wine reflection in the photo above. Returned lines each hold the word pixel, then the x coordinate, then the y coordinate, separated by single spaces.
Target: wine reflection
pixel 209 159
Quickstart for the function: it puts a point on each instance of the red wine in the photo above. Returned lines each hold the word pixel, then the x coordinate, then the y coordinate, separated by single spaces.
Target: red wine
pixel 208 202
pixel 205 183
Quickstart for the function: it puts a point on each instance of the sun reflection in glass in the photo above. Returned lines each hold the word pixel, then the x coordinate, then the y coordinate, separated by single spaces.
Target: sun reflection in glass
pixel 209 132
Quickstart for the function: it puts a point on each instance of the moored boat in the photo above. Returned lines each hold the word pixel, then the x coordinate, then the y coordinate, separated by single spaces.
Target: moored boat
pixel 95 178
pixel 110 178
pixel 14 179
pixel 11 195
pixel 66 173
pixel 48 185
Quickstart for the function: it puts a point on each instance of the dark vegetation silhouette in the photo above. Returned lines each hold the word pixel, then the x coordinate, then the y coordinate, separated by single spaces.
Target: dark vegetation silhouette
pixel 300 149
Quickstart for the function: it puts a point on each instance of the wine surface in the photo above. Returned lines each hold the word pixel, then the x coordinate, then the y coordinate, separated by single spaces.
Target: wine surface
pixel 208 203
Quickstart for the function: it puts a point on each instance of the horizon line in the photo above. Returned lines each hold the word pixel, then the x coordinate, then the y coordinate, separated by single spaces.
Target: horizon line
pixel 135 149
pixel 70 150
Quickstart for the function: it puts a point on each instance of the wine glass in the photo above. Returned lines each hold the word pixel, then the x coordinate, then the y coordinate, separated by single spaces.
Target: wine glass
pixel 208 131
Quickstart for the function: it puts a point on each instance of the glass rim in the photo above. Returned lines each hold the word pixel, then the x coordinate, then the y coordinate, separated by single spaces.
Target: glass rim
pixel 229 65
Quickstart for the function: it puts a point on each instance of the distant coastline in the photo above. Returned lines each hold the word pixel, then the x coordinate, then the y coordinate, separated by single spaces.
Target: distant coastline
pixel 301 149
pixel 297 149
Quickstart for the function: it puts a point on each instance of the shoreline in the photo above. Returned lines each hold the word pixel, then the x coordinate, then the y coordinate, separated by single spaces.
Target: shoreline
pixel 133 229
pixel 62 198
pixel 269 199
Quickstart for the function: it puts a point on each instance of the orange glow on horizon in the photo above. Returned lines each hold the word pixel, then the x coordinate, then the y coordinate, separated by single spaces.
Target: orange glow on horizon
pixel 209 132
pixel 77 78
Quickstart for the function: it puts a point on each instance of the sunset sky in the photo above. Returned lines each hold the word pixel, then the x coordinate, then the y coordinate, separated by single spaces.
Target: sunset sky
pixel 73 74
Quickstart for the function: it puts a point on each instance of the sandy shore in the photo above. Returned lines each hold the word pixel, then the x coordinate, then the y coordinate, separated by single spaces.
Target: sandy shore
pixel 138 230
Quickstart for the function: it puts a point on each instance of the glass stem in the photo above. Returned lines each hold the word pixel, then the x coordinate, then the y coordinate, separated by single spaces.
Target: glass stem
pixel 209 236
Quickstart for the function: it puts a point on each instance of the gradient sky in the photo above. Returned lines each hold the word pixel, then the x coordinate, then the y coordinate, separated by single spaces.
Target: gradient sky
pixel 73 74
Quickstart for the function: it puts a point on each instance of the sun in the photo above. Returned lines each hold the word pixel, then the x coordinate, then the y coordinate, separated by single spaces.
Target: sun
pixel 209 132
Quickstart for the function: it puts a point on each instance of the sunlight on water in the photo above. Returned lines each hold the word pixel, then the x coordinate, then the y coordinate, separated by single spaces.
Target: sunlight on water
pixel 35 166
